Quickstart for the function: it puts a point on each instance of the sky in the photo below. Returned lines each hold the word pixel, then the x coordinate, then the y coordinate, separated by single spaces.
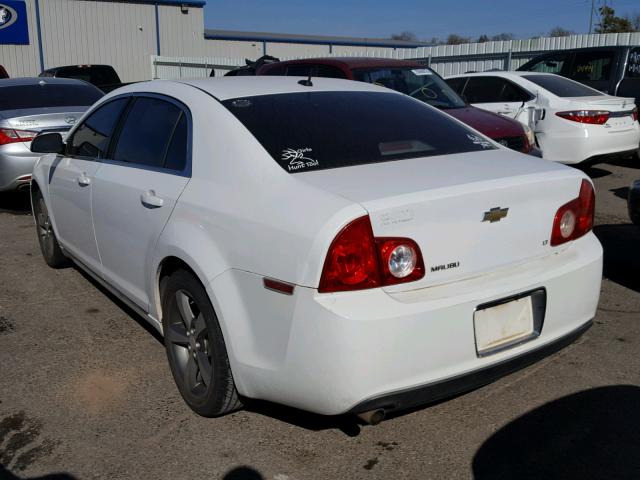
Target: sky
pixel 426 18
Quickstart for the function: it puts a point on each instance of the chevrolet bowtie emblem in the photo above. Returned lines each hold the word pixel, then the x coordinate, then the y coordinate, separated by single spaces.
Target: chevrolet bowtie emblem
pixel 495 214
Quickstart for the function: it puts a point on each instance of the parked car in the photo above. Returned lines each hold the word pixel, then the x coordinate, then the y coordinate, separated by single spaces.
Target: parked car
pixel 29 106
pixel 250 68
pixel 337 247
pixel 633 202
pixel 104 77
pixel 415 80
pixel 573 123
pixel 612 70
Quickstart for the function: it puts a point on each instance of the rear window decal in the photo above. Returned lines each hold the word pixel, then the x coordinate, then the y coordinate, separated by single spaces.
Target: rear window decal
pixel 483 142
pixel 297 158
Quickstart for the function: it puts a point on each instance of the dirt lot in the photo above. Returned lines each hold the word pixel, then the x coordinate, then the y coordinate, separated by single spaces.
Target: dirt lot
pixel 85 391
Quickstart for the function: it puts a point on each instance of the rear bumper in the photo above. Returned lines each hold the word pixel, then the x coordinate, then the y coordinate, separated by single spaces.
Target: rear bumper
pixel 16 166
pixel 433 392
pixel 338 353
pixel 586 143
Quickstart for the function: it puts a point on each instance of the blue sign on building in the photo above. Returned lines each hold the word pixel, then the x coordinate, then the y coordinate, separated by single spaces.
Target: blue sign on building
pixel 14 28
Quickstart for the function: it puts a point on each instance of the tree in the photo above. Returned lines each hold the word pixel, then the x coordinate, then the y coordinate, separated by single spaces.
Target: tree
pixel 560 32
pixel 483 38
pixel 634 20
pixel 503 37
pixel 609 23
pixel 455 39
pixel 406 35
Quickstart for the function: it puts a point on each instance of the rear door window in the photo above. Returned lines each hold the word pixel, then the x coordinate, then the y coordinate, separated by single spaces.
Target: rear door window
pixel 514 93
pixel 457 84
pixel 484 90
pixel 146 132
pixel 324 130
pixel 561 86
pixel 91 139
pixel 595 65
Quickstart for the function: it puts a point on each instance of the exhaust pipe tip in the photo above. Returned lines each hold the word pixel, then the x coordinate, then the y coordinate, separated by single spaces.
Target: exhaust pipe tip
pixel 372 417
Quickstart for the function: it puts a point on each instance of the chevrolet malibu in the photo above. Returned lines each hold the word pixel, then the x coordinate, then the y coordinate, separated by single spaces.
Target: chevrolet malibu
pixel 312 244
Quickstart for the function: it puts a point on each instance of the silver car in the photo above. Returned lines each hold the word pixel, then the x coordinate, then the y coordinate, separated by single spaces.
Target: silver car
pixel 29 106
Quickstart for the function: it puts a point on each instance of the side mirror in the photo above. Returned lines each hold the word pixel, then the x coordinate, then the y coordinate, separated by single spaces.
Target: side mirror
pixel 48 143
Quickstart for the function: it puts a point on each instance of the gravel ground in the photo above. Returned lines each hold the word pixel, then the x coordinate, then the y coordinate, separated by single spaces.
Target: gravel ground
pixel 85 391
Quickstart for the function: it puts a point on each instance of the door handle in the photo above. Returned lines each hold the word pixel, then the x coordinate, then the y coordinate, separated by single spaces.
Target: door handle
pixel 83 180
pixel 151 200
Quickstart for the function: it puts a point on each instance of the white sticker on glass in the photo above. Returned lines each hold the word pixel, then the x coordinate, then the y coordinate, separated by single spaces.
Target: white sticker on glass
pixel 298 159
pixel 422 71
pixel 483 142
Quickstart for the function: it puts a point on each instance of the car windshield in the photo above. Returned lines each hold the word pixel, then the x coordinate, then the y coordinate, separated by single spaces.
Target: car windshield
pixel 49 95
pixel 561 86
pixel 421 83
pixel 323 130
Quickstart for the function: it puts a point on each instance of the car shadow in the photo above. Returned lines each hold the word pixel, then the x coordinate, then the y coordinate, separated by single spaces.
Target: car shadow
pixel 123 306
pixel 593 172
pixel 243 473
pixel 593 434
pixel 7 475
pixel 621 192
pixel 18 203
pixel 621 253
pixel 350 425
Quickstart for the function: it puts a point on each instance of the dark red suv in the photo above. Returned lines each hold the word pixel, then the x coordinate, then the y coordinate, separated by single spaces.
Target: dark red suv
pixel 415 80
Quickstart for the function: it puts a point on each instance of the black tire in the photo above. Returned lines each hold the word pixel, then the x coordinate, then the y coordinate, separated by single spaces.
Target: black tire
pixel 49 246
pixel 195 347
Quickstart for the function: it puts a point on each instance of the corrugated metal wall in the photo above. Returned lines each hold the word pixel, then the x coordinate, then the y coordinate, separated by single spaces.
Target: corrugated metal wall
pixel 116 33
pixel 123 34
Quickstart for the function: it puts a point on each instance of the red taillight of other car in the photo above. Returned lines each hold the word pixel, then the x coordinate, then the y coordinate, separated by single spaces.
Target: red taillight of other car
pixel 592 117
pixel 8 135
pixel 634 114
pixel 357 261
pixel 574 219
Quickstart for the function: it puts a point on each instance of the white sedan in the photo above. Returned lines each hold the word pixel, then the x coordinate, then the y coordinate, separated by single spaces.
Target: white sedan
pixel 572 123
pixel 316 245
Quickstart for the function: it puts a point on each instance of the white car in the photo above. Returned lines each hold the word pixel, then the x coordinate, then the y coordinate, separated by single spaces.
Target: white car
pixel 572 123
pixel 316 245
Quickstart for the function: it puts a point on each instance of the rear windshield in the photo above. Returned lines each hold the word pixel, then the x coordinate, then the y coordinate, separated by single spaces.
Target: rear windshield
pixel 44 96
pixel 94 75
pixel 322 130
pixel 562 87
pixel 421 83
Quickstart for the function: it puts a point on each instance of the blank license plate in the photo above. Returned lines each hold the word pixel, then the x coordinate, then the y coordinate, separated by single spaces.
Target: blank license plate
pixel 503 325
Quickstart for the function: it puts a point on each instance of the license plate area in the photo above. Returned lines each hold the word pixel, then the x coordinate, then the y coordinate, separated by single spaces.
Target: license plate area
pixel 508 322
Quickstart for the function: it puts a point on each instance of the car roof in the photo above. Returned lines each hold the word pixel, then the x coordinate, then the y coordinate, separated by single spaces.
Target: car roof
pixel 351 62
pixel 224 88
pixel 26 81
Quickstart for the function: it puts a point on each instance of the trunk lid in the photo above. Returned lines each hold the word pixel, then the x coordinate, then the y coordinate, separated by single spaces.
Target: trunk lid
pixel 620 109
pixel 446 205
pixel 42 119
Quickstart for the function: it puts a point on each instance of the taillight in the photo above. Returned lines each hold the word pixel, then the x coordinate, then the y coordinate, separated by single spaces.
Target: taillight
pixel 592 117
pixel 634 114
pixel 8 135
pixel 357 261
pixel 574 219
